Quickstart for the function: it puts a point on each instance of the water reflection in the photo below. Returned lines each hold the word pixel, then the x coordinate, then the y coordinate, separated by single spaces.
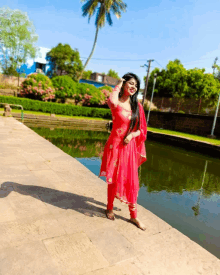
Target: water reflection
pixel 182 188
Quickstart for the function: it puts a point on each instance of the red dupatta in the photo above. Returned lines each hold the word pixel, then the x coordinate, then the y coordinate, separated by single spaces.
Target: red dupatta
pixel 140 140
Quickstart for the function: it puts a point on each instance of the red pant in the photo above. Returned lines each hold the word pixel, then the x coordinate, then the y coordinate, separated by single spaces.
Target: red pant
pixel 111 196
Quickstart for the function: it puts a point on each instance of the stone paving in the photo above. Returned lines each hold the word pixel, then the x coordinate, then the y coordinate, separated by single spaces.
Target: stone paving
pixel 52 219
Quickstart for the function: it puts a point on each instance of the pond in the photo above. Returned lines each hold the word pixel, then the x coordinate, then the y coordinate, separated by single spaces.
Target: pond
pixel 180 187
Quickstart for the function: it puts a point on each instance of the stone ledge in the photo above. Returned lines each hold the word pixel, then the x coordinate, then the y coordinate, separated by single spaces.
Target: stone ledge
pixel 186 143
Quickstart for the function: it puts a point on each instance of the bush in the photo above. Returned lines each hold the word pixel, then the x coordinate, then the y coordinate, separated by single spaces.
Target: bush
pixel 56 108
pixel 181 112
pixel 106 90
pixel 83 94
pixel 37 86
pixel 64 86
pixel 88 95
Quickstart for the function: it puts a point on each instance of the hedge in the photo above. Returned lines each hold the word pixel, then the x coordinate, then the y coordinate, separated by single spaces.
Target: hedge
pixel 56 108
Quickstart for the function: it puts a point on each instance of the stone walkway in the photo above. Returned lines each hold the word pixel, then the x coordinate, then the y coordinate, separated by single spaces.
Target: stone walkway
pixel 52 219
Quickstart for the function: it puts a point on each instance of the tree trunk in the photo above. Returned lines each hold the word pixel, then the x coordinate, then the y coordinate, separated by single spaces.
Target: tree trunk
pixel 93 48
pixel 200 101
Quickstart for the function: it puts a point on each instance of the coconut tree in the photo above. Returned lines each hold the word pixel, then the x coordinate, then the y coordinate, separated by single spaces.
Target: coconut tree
pixel 103 10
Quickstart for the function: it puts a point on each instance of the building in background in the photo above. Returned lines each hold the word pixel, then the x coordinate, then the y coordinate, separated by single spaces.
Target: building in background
pixel 99 80
pixel 38 64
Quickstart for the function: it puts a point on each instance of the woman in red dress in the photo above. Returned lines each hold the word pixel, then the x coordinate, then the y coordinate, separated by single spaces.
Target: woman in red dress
pixel 125 149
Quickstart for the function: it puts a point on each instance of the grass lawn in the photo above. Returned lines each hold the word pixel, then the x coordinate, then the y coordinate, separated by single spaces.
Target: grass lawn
pixel 47 114
pixel 185 135
pixel 156 130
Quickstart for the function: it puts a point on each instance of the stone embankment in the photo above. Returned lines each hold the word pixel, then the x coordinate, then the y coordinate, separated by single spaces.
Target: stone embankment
pixel 52 219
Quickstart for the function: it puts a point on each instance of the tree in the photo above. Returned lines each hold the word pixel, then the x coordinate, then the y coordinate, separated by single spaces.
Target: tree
pixel 113 73
pixel 65 60
pixel 17 40
pixel 87 74
pixel 103 9
pixel 176 81
pixel 171 82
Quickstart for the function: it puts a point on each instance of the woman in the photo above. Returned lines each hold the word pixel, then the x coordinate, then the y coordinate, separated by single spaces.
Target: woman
pixel 125 150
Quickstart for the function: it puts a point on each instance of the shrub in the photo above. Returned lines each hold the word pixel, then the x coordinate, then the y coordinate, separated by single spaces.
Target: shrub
pixel 37 86
pixel 106 90
pixel 64 86
pixel 88 95
pixel 181 112
pixel 83 94
pixel 56 108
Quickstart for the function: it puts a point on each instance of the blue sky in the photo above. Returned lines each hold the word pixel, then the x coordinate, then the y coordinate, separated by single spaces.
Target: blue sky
pixel 161 30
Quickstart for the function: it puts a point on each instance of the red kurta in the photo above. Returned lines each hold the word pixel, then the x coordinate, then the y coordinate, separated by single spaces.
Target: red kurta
pixel 120 161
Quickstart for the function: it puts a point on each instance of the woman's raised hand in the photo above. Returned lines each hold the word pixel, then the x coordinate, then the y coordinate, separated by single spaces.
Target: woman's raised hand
pixel 120 82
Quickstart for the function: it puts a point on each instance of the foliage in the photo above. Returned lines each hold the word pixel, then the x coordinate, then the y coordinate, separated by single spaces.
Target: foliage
pixel 10 71
pixel 65 60
pixel 88 95
pixel 103 11
pixel 201 85
pixel 17 47
pixel 113 73
pixel 57 108
pixel 64 86
pixel 87 74
pixel 176 81
pixel 37 86
pixel 83 94
pixel 106 90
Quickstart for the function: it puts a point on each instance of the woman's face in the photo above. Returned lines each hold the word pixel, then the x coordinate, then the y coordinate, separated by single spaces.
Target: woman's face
pixel 130 87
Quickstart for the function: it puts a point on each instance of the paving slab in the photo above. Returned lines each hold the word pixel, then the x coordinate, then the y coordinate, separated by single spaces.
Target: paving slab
pixel 26 259
pixel 52 219
pixel 75 254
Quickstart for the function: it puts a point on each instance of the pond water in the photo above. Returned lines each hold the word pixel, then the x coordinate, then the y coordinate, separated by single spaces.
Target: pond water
pixel 180 187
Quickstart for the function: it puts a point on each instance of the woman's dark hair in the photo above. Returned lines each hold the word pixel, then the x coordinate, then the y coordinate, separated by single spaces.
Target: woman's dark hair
pixel 135 117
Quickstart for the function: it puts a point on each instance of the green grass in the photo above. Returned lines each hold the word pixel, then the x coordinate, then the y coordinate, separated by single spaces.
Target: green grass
pixel 180 134
pixel 47 114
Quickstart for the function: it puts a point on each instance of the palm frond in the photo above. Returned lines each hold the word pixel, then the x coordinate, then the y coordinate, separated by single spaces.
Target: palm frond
pixel 103 11
pixel 116 11
pixel 100 17
pixel 87 7
pixel 109 18
pixel 117 7
pixel 122 6
pixel 90 8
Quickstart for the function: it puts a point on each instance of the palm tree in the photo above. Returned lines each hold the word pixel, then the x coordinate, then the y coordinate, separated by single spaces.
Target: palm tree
pixel 103 9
